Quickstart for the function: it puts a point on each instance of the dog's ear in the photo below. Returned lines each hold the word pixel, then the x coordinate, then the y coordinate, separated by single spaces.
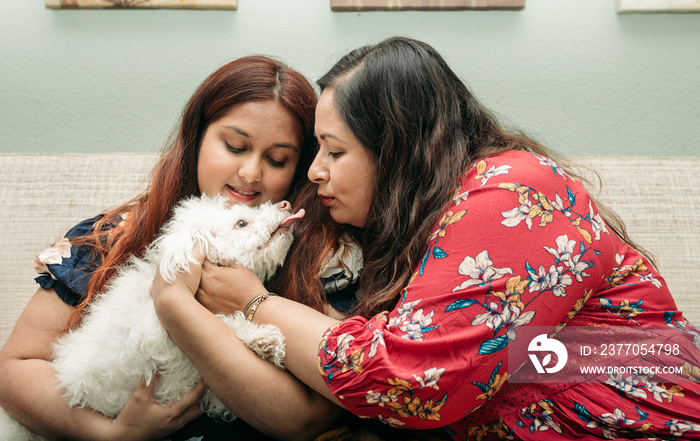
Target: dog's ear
pixel 179 250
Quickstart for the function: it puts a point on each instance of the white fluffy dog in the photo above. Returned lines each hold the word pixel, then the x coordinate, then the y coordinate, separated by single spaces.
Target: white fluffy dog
pixel 120 340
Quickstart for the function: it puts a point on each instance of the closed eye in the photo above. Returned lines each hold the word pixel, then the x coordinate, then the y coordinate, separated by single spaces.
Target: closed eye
pixel 274 162
pixel 233 149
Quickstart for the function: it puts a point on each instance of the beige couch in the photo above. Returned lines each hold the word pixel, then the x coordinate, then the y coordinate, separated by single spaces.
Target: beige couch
pixel 43 195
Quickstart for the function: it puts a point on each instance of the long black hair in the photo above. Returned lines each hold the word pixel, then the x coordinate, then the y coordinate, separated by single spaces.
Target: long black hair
pixel 411 111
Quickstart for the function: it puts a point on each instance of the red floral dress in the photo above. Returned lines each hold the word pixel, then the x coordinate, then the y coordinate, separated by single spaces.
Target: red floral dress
pixel 521 245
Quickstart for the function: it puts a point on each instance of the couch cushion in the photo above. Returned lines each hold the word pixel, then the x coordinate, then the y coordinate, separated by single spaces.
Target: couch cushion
pixel 43 195
pixel 658 198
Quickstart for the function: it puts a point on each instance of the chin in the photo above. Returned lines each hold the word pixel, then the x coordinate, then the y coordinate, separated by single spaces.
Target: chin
pixel 347 220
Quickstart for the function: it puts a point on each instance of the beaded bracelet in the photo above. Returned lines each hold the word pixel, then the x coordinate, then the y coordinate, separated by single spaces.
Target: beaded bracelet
pixel 250 309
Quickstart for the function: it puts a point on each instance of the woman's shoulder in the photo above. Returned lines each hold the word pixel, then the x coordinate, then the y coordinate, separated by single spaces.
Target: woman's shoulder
pixel 520 168
pixel 84 227
pixel 64 251
pixel 66 265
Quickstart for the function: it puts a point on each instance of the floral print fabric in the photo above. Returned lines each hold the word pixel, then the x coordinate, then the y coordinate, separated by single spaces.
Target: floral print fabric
pixel 521 244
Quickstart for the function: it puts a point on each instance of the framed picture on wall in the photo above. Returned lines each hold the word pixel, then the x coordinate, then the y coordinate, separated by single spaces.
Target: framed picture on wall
pixel 424 5
pixel 133 4
pixel 629 6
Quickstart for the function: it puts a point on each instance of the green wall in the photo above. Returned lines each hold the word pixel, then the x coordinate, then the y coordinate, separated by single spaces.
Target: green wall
pixel 573 73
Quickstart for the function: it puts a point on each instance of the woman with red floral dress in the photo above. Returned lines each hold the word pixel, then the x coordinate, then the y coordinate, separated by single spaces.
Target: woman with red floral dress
pixel 472 236
pixel 548 260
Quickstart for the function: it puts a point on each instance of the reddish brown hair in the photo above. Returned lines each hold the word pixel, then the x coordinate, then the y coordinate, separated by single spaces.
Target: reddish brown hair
pixel 254 78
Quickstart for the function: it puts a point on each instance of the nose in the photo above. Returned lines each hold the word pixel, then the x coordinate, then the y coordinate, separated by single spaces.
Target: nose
pixel 250 170
pixel 318 173
pixel 284 205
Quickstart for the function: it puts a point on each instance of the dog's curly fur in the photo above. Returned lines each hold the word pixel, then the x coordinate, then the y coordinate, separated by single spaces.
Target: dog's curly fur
pixel 120 340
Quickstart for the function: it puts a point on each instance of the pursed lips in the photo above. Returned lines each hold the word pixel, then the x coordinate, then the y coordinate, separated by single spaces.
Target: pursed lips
pixel 325 200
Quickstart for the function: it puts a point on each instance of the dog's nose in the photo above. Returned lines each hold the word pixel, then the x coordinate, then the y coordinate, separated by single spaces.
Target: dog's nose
pixel 284 205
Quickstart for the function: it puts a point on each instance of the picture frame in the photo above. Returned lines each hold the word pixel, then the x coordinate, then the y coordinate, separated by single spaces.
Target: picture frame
pixel 647 6
pixel 423 5
pixel 141 4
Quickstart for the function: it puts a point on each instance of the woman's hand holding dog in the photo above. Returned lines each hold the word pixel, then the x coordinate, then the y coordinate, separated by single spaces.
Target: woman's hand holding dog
pixel 227 289
pixel 143 418
pixel 186 282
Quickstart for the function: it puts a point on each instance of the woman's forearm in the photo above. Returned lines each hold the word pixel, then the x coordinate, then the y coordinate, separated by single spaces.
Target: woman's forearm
pixel 29 393
pixel 303 329
pixel 269 399
pixel 28 388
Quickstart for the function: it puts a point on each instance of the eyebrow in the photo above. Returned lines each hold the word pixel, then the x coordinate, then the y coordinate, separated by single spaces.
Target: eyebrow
pixel 282 145
pixel 328 135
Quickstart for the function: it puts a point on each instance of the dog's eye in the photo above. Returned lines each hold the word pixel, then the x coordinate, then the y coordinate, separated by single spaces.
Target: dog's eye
pixel 241 224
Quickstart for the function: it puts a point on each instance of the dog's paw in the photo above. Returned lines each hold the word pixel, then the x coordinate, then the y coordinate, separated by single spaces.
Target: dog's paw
pixel 265 340
pixel 214 408
pixel 269 345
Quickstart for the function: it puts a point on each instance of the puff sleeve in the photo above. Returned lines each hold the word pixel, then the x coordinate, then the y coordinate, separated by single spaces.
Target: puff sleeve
pixel 65 267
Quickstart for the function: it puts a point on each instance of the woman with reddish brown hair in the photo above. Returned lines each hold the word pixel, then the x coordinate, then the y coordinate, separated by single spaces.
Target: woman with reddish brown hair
pixel 247 134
